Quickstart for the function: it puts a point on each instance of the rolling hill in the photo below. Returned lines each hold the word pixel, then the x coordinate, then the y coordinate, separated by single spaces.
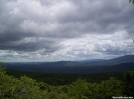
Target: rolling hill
pixel 124 63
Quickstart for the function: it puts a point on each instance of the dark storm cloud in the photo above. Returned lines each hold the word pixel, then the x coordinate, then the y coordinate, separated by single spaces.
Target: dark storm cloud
pixel 35 25
pixel 98 16
pixel 31 45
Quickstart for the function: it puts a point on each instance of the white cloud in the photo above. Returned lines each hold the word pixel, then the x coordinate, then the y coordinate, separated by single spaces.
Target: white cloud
pixel 38 30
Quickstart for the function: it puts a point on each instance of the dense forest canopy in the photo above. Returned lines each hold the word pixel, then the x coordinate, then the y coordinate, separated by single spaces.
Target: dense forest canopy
pixel 28 88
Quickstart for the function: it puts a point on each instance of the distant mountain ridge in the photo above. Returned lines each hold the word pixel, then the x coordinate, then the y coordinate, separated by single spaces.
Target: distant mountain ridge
pixel 123 63
pixel 118 60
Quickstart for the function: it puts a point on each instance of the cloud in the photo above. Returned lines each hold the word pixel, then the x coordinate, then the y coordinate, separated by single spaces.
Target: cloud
pixel 99 46
pixel 65 29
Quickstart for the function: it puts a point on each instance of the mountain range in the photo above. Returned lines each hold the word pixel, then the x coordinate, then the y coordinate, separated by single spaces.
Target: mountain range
pixel 124 63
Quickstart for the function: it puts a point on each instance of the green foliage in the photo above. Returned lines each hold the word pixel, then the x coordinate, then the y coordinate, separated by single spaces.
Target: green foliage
pixel 28 88
pixel 78 89
pixel 64 79
pixel 25 88
pixel 129 84
pixel 105 90
pixel 2 70
pixel 131 1
pixel 109 88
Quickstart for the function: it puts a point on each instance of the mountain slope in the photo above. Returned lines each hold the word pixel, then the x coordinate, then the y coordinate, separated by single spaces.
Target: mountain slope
pixel 115 61
pixel 123 63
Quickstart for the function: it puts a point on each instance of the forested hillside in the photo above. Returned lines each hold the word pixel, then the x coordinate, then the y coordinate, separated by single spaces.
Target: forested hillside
pixel 65 79
pixel 28 88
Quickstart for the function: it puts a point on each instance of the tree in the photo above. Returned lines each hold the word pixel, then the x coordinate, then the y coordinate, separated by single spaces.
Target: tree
pixel 131 1
pixel 129 84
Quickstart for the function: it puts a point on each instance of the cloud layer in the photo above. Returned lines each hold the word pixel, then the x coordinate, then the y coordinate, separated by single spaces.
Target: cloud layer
pixel 44 30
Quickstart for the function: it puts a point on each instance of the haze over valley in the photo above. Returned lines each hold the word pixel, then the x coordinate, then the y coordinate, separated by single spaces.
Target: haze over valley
pixel 120 64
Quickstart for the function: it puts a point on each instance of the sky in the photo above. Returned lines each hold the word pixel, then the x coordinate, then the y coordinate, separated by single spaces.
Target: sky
pixel 55 30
